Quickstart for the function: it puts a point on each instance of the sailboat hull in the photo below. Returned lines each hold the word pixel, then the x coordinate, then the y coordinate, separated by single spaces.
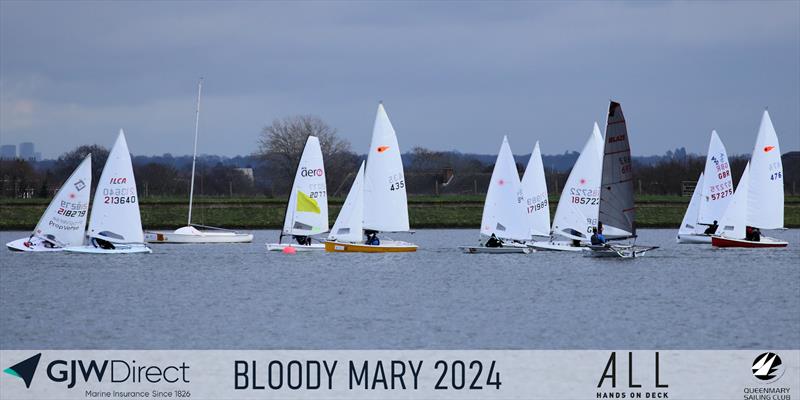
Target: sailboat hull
pixel 120 249
pixel 299 248
pixel 557 246
pixel 24 245
pixel 497 250
pixel 385 247
pixel 616 251
pixel 694 238
pixel 765 242
pixel 202 237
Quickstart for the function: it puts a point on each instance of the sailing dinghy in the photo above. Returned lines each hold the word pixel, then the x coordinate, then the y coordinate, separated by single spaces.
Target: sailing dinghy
pixel 616 211
pixel 64 221
pixel 710 197
pixel 307 211
pixel 385 188
pixel 504 215
pixel 577 209
pixel 758 199
pixel 190 233
pixel 115 225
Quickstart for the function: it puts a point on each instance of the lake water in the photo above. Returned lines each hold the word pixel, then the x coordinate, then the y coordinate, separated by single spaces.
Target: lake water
pixel 239 297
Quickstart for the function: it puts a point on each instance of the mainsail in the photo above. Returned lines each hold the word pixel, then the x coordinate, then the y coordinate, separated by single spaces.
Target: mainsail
pixel 765 195
pixel 717 187
pixel 384 181
pixel 689 225
pixel 534 194
pixel 577 209
pixel 733 222
pixel 115 209
pixel 617 212
pixel 503 213
pixel 349 222
pixel 307 211
pixel 64 221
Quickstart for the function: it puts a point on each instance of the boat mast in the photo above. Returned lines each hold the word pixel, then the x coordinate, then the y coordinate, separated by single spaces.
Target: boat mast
pixel 194 153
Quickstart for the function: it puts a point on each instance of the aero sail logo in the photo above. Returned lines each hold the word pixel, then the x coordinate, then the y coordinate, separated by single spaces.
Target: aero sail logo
pixel 25 369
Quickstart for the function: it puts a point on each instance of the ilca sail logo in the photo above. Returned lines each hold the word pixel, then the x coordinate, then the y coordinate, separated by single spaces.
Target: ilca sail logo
pixel 25 369
pixel 768 367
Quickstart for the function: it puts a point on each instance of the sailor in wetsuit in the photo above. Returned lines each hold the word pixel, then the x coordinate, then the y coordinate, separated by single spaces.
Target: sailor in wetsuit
pixel 494 242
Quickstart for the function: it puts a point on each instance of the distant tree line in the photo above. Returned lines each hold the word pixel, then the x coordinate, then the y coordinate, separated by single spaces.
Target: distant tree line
pixel 270 170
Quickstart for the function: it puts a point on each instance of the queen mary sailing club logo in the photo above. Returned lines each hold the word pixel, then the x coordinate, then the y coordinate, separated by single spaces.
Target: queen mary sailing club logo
pixel 25 369
pixel 768 367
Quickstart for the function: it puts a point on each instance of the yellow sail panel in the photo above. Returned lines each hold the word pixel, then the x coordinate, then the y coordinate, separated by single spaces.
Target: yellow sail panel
pixel 307 204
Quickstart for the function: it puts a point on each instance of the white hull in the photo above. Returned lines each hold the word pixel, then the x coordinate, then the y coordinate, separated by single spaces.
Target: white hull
pixel 496 250
pixel 19 245
pixel 120 249
pixel 198 237
pixel 695 238
pixel 299 248
pixel 557 246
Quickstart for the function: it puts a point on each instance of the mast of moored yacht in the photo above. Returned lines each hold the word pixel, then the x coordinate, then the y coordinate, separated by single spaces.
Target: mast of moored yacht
pixel 194 153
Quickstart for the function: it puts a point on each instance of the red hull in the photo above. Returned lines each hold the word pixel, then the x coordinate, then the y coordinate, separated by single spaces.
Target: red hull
pixel 718 241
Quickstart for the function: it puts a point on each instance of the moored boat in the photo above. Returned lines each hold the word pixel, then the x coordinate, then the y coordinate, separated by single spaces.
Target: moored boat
pixel 189 234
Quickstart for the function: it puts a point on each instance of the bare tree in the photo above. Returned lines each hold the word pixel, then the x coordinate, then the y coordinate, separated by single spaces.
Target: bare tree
pixel 282 142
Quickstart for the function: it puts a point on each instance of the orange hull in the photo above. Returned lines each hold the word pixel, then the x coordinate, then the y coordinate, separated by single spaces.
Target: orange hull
pixel 340 247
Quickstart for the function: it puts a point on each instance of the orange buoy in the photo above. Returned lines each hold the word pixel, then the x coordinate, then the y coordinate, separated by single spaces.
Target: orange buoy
pixel 289 250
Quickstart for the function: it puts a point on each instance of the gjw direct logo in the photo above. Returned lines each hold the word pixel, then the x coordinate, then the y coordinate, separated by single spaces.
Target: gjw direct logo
pixel 768 367
pixel 25 369
pixel 72 372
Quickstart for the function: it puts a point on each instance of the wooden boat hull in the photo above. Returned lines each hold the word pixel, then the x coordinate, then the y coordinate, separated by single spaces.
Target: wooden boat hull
pixel 496 250
pixel 299 248
pixel 204 237
pixel 765 242
pixel 23 245
pixel 384 247
pixel 557 246
pixel 120 249
pixel 697 238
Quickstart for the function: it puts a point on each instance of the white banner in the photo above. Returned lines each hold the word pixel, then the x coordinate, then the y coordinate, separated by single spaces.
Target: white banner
pixel 395 374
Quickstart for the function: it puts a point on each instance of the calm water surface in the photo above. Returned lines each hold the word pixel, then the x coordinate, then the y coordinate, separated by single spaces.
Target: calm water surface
pixel 239 296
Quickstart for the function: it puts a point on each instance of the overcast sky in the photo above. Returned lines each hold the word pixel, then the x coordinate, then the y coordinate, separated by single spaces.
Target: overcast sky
pixel 453 75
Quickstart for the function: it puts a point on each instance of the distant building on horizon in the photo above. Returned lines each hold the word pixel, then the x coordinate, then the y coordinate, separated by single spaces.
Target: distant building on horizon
pixel 27 151
pixel 8 152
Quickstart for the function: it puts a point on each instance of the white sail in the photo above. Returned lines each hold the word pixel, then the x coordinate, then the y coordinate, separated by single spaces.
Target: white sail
pixel 617 211
pixel 717 188
pixel 307 212
pixel 349 223
pixel 577 209
pixel 765 197
pixel 503 213
pixel 115 209
pixel 384 182
pixel 733 222
pixel 534 193
pixel 64 221
pixel 689 225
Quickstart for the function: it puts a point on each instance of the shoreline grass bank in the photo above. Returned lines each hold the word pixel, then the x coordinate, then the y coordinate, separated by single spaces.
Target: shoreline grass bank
pixel 268 213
